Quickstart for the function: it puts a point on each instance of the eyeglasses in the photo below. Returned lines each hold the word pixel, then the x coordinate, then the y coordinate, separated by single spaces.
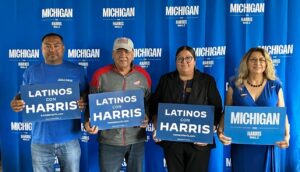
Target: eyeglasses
pixel 260 60
pixel 187 59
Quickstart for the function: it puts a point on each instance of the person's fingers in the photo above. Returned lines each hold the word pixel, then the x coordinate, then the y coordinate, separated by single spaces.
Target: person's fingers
pixel 81 104
pixel 282 144
pixel 225 140
pixel 92 130
pixel 89 129
pixel 17 105
pixel 154 137
pixel 144 123
pixel 200 144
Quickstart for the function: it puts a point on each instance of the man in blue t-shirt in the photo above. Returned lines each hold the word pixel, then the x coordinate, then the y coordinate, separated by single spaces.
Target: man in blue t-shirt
pixel 53 139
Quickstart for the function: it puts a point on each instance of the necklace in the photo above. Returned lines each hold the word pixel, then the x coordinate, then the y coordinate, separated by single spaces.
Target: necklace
pixel 252 85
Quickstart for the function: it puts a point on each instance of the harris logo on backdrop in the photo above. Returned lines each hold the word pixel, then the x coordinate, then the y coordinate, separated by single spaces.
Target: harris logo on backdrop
pixel 56 15
pixel 181 13
pixel 24 56
pixel 23 129
pixel 144 56
pixel 118 15
pixel 247 11
pixel 210 54
pixel 83 56
pixel 279 51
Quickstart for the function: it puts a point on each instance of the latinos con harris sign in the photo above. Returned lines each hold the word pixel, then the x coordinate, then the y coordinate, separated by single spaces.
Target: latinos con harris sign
pixel 185 123
pixel 119 109
pixel 56 101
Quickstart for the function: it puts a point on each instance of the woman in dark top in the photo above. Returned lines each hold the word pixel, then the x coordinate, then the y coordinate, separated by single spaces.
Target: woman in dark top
pixel 186 85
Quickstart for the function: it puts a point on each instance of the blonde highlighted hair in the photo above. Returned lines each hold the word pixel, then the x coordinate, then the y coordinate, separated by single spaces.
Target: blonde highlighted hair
pixel 243 73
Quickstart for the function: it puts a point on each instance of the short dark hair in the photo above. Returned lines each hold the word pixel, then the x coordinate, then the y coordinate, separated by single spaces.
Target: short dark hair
pixel 53 34
pixel 188 48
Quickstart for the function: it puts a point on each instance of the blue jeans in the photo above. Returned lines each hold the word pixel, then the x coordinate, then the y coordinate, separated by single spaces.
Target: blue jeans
pixel 111 157
pixel 68 155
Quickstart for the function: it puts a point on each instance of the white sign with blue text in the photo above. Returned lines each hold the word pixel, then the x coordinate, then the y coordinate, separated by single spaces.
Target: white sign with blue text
pixel 185 123
pixel 255 125
pixel 55 101
pixel 120 109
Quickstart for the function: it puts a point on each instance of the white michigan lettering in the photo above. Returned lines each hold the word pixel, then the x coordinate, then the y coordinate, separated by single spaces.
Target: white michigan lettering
pixel 83 53
pixel 247 7
pixel 255 118
pixel 57 13
pixel 279 49
pixel 118 12
pixel 182 10
pixel 23 53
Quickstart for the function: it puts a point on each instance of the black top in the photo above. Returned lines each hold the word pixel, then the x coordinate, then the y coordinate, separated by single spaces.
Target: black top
pixel 201 90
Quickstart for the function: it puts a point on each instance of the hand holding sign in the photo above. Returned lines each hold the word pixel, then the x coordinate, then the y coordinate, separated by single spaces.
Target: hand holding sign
pixel 224 139
pixel 145 122
pixel 81 104
pixel 284 143
pixel 154 137
pixel 185 123
pixel 255 125
pixel 92 130
pixel 286 140
pixel 200 144
pixel 119 109
pixel 52 101
pixel 17 104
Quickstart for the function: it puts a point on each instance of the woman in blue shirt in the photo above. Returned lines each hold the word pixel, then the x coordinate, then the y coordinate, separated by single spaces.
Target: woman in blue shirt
pixel 255 85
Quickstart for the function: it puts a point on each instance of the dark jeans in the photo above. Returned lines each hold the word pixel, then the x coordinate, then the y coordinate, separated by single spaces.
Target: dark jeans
pixel 111 157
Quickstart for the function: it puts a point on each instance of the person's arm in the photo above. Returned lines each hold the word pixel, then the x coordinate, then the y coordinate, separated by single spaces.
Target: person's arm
pixel 17 104
pixel 225 140
pixel 285 142
pixel 153 107
pixel 82 102
pixel 214 98
pixel 154 121
pixel 87 123
pixel 145 122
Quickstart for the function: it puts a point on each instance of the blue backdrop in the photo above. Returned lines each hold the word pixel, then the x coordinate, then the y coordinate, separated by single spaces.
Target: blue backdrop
pixel 220 31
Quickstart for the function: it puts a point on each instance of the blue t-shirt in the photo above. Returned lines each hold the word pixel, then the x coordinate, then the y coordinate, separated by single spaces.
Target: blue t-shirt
pixel 55 131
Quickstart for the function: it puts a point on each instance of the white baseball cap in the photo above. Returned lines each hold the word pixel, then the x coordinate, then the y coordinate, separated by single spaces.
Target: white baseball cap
pixel 123 42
